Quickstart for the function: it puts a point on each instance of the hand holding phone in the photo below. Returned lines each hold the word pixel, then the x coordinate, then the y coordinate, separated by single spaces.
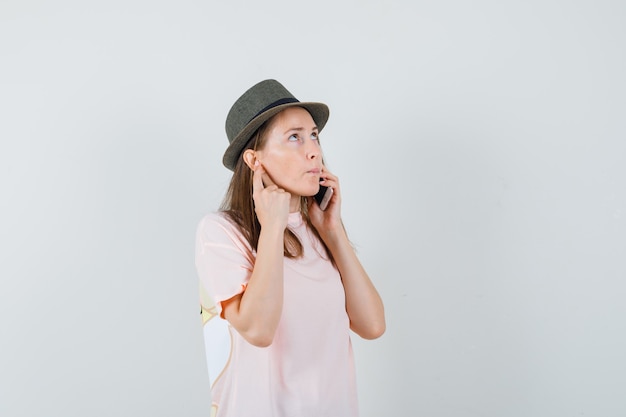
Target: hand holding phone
pixel 322 198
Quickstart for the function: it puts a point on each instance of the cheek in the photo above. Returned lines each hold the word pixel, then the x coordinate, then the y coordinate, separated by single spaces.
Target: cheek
pixel 279 172
pixel 275 161
pixel 274 167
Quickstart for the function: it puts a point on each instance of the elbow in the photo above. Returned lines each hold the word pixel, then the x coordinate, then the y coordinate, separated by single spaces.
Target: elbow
pixel 375 332
pixel 259 333
pixel 260 339
pixel 261 342
pixel 371 332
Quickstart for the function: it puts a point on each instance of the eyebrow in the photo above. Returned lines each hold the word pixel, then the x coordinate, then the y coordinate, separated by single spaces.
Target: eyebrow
pixel 299 129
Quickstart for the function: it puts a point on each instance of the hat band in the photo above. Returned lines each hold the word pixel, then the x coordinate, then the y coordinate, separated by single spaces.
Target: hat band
pixel 275 104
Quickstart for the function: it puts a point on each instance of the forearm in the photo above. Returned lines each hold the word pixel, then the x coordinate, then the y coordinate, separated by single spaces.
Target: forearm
pixel 363 303
pixel 259 309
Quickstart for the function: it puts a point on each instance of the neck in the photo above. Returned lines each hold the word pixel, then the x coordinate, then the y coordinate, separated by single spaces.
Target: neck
pixel 294 204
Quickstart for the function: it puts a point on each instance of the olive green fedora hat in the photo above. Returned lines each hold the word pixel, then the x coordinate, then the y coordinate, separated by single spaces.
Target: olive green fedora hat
pixel 255 107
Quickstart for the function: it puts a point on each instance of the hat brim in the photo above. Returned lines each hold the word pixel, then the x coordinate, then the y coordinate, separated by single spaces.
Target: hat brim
pixel 319 112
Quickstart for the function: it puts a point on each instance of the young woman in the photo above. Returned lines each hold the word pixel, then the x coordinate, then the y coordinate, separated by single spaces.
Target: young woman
pixel 280 270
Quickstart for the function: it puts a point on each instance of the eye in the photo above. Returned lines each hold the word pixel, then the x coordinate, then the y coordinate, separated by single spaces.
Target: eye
pixel 293 138
pixel 315 136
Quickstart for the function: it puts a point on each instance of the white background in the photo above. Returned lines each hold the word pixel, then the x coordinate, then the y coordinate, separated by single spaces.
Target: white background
pixel 482 152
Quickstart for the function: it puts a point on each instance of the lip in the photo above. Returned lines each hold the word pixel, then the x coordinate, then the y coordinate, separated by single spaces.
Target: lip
pixel 314 171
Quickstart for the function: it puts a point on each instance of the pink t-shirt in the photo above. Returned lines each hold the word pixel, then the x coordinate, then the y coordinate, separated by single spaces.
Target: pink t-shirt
pixel 308 370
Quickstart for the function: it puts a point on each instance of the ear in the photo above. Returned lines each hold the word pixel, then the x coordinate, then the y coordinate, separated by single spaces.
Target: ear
pixel 249 157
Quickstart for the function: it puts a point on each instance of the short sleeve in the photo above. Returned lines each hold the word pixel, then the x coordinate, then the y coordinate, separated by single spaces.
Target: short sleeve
pixel 224 259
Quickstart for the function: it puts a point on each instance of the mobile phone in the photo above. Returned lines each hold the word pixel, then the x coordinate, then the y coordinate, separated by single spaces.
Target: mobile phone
pixel 323 196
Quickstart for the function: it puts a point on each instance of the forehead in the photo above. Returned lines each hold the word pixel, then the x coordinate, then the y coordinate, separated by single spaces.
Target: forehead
pixel 293 117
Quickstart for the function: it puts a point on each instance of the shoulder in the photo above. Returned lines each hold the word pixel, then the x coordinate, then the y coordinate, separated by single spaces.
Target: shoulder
pixel 216 221
pixel 218 227
pixel 215 218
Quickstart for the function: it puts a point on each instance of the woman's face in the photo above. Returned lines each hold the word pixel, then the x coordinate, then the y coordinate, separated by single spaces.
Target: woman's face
pixel 291 153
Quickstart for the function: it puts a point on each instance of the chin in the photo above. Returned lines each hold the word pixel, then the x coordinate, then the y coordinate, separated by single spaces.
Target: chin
pixel 307 192
pixel 312 192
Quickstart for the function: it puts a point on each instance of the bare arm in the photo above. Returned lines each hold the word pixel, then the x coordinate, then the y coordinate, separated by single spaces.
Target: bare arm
pixel 363 303
pixel 256 312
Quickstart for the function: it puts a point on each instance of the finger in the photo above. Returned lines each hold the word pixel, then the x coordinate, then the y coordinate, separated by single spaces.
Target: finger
pixel 327 174
pixel 267 180
pixel 328 179
pixel 257 178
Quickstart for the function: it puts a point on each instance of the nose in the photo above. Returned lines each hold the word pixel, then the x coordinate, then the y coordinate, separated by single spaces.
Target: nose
pixel 312 149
